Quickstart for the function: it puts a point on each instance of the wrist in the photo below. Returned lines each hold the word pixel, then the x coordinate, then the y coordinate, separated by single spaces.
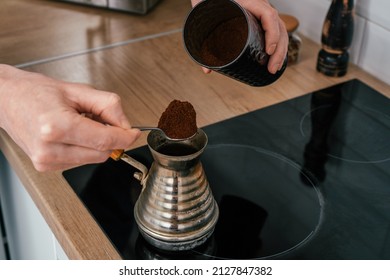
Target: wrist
pixel 5 75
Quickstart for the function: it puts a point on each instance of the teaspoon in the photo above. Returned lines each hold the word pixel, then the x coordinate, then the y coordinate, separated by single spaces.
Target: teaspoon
pixel 117 154
pixel 144 128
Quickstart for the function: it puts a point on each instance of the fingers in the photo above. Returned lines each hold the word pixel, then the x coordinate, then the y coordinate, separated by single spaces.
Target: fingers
pixel 78 130
pixel 206 70
pixel 269 19
pixel 92 134
pixel 68 138
pixel 60 157
pixel 86 142
pixel 194 2
pixel 276 60
pixel 276 37
pixel 104 106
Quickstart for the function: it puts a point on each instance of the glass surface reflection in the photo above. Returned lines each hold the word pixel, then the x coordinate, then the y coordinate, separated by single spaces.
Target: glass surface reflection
pixel 304 179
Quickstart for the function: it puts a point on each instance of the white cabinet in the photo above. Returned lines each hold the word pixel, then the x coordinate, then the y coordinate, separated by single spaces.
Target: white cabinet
pixel 28 235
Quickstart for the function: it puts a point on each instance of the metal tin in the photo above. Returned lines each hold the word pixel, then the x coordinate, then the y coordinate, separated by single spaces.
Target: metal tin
pixel 250 66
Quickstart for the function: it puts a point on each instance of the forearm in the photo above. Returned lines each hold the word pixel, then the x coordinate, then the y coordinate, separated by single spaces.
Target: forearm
pixel 15 84
pixel 5 74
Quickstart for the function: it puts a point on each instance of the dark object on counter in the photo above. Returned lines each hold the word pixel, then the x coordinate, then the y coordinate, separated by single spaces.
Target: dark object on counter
pixel 294 41
pixel 222 36
pixel 178 121
pixel 336 39
pixel 133 6
pixel 324 107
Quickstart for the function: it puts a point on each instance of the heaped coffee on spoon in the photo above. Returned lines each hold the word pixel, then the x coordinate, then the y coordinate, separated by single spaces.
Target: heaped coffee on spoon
pixel 178 121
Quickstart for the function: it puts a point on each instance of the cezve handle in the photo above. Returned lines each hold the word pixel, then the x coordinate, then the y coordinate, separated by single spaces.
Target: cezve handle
pixel 120 154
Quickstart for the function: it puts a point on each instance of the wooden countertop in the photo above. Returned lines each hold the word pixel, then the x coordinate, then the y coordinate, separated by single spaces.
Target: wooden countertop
pixel 141 58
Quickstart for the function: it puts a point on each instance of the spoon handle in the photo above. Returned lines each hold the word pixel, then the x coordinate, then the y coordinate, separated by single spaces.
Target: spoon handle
pixel 143 128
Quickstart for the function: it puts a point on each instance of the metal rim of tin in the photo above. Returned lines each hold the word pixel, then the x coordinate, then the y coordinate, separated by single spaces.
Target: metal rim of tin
pixel 244 12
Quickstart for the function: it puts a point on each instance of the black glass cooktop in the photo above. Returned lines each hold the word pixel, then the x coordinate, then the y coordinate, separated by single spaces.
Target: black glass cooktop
pixel 308 178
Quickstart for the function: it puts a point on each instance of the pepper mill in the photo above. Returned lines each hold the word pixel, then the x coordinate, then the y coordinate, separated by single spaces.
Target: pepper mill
pixel 337 33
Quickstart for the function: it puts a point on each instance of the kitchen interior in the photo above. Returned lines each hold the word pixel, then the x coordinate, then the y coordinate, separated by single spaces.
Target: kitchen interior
pixel 285 188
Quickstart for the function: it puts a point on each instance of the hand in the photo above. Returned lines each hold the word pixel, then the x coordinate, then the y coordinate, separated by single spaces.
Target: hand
pixel 276 37
pixel 59 124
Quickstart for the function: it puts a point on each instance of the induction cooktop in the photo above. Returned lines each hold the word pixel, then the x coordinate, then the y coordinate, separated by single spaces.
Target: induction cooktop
pixel 308 178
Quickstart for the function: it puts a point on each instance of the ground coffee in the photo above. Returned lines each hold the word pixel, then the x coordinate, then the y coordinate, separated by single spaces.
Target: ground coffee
pixel 225 43
pixel 179 120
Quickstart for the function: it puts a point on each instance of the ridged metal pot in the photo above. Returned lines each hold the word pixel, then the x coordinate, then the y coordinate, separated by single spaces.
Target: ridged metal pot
pixel 176 209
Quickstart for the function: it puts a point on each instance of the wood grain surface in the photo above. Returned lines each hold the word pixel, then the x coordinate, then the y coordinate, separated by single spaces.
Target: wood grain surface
pixel 32 30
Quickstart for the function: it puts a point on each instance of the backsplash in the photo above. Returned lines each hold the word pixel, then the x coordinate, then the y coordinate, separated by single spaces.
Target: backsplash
pixel 371 43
